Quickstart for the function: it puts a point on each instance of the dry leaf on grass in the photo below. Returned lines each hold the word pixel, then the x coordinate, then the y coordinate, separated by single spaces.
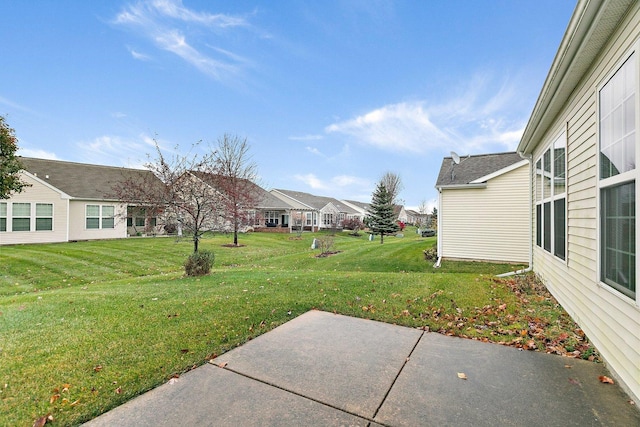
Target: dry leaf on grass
pixel 43 420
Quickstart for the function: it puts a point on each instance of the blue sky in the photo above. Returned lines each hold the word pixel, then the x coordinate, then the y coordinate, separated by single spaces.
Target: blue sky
pixel 329 94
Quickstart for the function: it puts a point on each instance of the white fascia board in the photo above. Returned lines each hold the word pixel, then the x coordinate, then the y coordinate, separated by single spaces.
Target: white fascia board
pixel 500 172
pixel 63 195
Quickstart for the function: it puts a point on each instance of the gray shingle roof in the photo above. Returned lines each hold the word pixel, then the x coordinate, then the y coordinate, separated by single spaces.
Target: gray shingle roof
pixel 317 202
pixel 81 180
pixel 473 167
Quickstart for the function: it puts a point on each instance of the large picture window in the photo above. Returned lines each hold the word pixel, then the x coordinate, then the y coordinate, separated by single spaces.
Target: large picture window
pixel 550 197
pixel 618 180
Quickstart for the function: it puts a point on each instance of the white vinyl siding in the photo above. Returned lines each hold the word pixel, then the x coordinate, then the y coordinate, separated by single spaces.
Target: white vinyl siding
pixel 490 223
pixel 610 319
pixel 47 217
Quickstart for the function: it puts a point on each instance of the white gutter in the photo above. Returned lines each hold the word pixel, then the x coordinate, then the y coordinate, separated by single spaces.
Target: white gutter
pixel 439 247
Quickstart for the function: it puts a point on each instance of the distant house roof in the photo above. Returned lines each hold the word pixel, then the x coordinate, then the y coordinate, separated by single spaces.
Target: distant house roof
pixel 317 202
pixel 263 199
pixel 81 180
pixel 361 205
pixel 472 169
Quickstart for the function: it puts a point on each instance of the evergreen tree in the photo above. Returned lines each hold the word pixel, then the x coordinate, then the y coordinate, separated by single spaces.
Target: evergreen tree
pixel 381 218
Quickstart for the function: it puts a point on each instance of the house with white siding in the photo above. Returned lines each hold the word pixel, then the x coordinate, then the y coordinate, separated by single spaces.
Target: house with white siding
pixel 315 212
pixel 583 142
pixel 65 201
pixel 483 208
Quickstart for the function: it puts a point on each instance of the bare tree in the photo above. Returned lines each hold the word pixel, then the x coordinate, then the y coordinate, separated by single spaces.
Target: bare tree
pixel 393 184
pixel 423 209
pixel 235 178
pixel 172 189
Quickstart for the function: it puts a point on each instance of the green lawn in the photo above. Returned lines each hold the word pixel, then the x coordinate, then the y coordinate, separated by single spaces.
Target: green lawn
pixel 87 326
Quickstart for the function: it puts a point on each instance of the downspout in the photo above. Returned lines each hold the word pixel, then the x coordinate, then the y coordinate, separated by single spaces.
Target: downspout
pixel 439 240
pixel 531 195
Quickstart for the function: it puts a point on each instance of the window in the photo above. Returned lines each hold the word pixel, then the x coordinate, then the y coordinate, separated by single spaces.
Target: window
pixel 44 217
pixel 550 197
pixel 108 213
pixel 618 180
pixel 271 217
pixel 21 219
pixel 139 221
pixel 3 216
pixel 98 216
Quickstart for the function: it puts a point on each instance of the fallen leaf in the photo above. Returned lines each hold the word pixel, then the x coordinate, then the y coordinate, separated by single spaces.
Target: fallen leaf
pixel 222 364
pixel 606 380
pixel 462 375
pixel 97 368
pixel 568 366
pixel 184 350
pixel 42 420
pixel 574 381
pixel 54 398
pixel 119 390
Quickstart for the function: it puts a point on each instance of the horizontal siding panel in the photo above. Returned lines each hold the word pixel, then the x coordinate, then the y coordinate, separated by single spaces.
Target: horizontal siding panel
pixel 610 320
pixel 490 223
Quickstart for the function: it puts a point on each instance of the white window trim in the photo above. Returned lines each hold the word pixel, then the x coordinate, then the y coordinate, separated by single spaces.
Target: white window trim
pixel 35 217
pixel 100 216
pixel 549 146
pixel 620 178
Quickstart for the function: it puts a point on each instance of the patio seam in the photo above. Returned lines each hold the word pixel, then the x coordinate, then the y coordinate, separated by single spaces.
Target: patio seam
pixel 406 360
pixel 369 419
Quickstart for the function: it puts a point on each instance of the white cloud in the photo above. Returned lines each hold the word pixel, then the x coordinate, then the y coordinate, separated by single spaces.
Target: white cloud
pixel 312 181
pixel 306 138
pixel 38 153
pixel 115 150
pixel 139 56
pixel 314 150
pixel 339 186
pixel 477 118
pixel 167 23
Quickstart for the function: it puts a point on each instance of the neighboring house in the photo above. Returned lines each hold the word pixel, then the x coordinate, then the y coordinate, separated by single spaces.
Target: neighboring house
pixel 65 202
pixel 315 212
pixel 483 208
pixel 400 213
pixel 361 208
pixel 583 142
pixel 264 209
pixel 418 219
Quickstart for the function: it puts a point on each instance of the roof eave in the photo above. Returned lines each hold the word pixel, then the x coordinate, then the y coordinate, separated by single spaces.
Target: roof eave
pixel 564 74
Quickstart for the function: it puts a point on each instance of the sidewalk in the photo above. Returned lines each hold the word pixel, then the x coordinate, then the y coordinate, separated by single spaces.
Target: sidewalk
pixel 325 369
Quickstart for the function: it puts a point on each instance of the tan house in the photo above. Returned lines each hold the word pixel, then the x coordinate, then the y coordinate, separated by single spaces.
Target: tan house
pixel 483 208
pixel 583 142
pixel 65 202
pixel 315 212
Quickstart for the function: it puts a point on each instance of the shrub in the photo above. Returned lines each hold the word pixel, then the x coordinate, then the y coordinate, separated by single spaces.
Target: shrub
pixel 199 263
pixel 431 254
